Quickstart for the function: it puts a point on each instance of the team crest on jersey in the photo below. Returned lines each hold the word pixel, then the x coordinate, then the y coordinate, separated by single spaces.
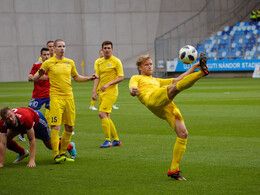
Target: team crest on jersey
pixel 108 65
pixel 66 63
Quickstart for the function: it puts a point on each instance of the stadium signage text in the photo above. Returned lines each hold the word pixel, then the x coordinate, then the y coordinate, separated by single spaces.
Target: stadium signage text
pixel 216 65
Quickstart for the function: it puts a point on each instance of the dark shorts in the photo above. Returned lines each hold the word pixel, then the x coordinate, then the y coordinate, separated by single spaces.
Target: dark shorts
pixel 36 104
pixel 42 130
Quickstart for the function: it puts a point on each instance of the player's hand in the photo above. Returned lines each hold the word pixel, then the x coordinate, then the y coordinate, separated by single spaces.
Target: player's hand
pixel 134 91
pixel 41 71
pixel 31 163
pixel 94 96
pixel 93 76
pixel 103 88
pixel 96 76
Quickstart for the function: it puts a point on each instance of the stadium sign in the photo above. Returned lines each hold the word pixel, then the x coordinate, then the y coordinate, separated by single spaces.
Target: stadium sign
pixel 216 65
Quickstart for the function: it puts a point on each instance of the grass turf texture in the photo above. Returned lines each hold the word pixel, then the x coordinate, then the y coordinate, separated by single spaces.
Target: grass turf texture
pixel 222 156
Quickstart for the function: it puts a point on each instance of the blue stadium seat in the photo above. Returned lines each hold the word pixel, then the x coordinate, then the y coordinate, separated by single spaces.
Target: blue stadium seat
pixel 234 42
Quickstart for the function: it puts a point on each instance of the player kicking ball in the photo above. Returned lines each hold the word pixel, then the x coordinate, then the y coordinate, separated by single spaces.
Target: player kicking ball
pixel 157 95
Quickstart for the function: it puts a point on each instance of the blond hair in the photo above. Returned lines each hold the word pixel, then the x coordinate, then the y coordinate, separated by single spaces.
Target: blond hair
pixel 142 59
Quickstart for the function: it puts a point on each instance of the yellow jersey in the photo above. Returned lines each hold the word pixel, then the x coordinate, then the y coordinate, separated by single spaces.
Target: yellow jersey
pixel 60 73
pixel 108 70
pixel 146 85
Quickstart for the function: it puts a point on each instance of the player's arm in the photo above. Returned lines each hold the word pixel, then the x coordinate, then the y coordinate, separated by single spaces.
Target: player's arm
pixel 3 142
pixel 133 83
pixel 32 143
pixel 116 81
pixel 79 78
pixel 31 77
pixel 94 92
pixel 191 70
pixel 38 75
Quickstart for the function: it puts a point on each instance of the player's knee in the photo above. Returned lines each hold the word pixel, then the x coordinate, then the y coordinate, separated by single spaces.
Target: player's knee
pixel 102 115
pixel 56 127
pixel 69 128
pixel 183 134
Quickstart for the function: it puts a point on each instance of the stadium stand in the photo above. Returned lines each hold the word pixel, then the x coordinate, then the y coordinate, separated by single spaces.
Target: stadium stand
pixel 241 41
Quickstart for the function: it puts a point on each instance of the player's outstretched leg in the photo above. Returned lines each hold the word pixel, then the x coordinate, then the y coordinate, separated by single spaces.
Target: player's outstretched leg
pixel 203 64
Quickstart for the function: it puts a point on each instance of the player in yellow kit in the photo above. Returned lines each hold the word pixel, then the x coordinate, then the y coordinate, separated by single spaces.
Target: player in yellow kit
pixel 158 94
pixel 110 72
pixel 62 107
pixel 92 103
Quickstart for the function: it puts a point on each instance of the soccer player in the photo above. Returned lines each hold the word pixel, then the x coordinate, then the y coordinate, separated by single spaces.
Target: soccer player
pixel 110 72
pixel 92 103
pixel 33 123
pixel 12 145
pixel 50 46
pixel 62 107
pixel 158 94
pixel 40 93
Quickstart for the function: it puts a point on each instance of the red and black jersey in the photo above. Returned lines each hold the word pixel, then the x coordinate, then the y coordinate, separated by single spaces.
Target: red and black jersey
pixel 26 117
pixel 41 87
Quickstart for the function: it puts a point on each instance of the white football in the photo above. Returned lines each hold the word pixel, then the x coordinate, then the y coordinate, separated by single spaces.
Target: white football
pixel 188 54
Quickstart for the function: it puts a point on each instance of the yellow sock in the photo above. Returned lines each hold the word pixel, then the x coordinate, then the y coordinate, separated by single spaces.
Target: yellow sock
pixel 113 130
pixel 55 142
pixel 178 152
pixel 65 140
pixel 189 80
pixel 92 103
pixel 47 116
pixel 106 127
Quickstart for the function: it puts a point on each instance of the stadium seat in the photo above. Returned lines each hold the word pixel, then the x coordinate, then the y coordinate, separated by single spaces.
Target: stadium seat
pixel 241 41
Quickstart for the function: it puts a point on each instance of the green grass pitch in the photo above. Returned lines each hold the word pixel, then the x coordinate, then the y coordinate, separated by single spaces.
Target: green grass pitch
pixel 222 156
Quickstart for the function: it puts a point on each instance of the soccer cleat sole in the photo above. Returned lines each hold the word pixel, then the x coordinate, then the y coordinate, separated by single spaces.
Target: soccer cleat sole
pixel 203 64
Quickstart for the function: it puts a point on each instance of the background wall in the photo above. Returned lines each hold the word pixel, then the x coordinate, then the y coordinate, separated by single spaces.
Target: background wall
pixel 132 25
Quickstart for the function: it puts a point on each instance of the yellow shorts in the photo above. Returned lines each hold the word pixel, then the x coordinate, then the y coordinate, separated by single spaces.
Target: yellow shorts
pixel 62 111
pixel 160 104
pixel 106 102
